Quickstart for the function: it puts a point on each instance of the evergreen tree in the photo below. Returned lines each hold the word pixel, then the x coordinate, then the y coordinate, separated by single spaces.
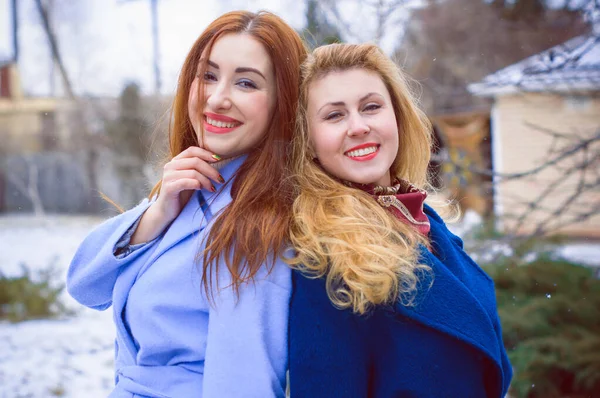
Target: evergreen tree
pixel 130 142
pixel 318 31
pixel 550 312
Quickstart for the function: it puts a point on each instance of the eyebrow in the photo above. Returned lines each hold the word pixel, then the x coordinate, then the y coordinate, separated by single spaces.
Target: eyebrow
pixel 241 69
pixel 340 103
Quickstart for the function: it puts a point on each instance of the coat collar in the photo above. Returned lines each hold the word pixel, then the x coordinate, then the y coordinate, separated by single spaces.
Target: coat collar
pixel 459 300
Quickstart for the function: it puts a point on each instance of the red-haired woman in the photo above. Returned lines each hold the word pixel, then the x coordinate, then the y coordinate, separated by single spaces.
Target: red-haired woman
pixel 200 296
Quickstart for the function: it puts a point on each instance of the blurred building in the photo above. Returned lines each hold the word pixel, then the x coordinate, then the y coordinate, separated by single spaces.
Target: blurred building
pixel 543 106
pixel 463 140
pixel 28 124
pixel 56 155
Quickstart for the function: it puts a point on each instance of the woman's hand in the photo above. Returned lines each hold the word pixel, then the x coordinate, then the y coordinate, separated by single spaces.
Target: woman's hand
pixel 185 173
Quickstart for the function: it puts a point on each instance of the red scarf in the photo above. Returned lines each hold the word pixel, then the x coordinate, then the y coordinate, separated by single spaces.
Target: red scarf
pixel 403 200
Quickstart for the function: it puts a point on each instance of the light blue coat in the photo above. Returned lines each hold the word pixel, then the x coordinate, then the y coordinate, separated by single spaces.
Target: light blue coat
pixel 170 341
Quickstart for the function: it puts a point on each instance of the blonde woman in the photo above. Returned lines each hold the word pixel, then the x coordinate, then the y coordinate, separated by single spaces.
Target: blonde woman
pixel 385 302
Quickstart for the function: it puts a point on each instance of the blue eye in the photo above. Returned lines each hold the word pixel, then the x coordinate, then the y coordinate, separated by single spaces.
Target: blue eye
pixel 209 77
pixel 333 115
pixel 372 107
pixel 245 83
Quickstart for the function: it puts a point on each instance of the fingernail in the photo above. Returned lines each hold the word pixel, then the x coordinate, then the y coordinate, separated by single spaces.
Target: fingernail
pixel 216 157
pixel 213 189
pixel 221 179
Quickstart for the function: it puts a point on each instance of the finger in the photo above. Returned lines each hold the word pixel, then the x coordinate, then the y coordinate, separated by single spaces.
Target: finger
pixel 175 176
pixel 198 152
pixel 199 165
pixel 173 188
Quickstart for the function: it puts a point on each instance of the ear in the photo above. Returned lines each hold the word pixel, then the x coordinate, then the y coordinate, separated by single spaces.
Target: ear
pixel 311 152
pixel 313 155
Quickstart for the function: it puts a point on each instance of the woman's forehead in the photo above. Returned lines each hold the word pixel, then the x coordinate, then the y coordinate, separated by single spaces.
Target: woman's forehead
pixel 340 86
pixel 235 50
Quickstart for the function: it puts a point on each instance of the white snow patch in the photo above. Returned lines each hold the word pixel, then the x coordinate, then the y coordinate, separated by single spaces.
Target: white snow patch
pixel 71 357
pixel 470 221
pixel 583 252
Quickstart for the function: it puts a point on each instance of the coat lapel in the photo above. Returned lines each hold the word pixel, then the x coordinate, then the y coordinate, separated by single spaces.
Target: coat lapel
pixel 193 219
pixel 448 306
pixel 459 300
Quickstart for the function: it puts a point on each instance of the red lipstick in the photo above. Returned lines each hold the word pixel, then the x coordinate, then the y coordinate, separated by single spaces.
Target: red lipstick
pixel 220 118
pixel 361 146
pixel 363 158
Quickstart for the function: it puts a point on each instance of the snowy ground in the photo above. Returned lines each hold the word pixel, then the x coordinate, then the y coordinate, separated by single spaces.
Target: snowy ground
pixel 73 357
pixel 65 358
pixel 583 252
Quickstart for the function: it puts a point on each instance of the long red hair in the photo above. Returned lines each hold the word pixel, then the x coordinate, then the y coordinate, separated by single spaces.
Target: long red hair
pixel 255 225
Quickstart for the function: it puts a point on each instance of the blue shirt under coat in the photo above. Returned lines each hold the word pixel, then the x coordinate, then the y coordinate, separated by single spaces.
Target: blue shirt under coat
pixel 170 341
pixel 449 344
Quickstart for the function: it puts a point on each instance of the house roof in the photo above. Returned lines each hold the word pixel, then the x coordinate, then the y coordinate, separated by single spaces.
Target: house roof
pixel 573 66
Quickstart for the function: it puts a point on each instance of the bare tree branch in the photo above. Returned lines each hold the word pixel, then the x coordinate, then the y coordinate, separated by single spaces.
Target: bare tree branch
pixel 30 188
pixel 54 49
pixel 383 10
pixel 563 155
pixel 568 198
pixel 332 7
pixel 84 138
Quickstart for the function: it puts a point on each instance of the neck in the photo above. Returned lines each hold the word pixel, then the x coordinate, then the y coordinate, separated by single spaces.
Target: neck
pixel 385 181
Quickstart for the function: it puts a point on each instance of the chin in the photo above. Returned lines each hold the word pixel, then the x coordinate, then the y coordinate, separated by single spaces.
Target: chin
pixel 361 180
pixel 366 179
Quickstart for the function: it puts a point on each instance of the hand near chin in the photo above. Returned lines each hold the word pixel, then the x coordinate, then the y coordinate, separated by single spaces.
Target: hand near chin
pixel 185 173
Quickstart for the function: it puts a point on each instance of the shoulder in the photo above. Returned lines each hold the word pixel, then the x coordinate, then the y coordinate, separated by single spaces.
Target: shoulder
pixel 432 214
pixel 439 226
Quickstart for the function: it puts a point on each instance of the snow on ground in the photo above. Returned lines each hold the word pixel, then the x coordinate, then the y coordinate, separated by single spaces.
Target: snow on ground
pixel 586 253
pixel 71 357
pixel 66 358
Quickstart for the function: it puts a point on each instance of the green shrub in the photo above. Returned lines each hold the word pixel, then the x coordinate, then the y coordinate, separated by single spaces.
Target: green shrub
pixel 27 297
pixel 550 312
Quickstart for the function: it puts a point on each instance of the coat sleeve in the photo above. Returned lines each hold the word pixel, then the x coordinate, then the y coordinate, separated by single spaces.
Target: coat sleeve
pixel 95 267
pixel 246 351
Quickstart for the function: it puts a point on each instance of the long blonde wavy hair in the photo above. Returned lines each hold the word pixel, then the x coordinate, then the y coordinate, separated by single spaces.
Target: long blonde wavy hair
pixel 368 256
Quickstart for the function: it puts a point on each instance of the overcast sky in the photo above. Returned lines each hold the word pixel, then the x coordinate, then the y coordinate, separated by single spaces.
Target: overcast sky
pixel 107 43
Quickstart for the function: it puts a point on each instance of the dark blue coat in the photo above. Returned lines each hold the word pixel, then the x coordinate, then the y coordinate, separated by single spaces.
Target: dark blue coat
pixel 448 345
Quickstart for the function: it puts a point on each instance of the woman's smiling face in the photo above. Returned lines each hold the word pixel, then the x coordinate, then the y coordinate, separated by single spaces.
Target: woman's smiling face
pixel 352 126
pixel 240 90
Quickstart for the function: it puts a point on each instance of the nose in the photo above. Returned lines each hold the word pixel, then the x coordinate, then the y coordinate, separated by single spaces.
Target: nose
pixel 218 96
pixel 357 126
